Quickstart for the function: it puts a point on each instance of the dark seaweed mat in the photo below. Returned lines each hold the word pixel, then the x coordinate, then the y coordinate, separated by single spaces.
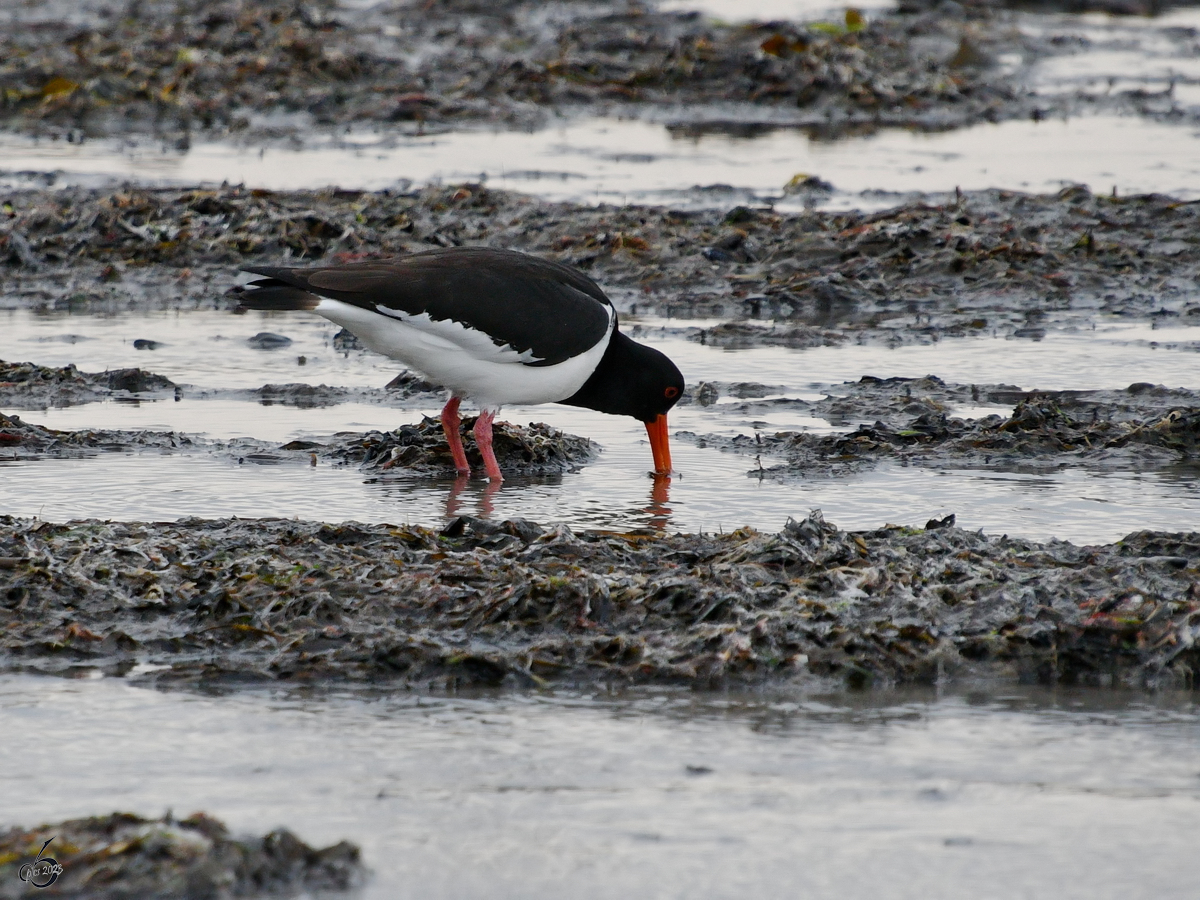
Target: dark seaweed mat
pixel 986 263
pixel 25 440
pixel 896 400
pixel 125 857
pixel 536 449
pixel 1144 425
pixel 196 65
pixel 486 603
pixel 28 385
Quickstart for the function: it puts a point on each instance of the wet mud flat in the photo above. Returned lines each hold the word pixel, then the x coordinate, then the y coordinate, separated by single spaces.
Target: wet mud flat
pixel 277 69
pixel 126 856
pixel 986 262
pixel 227 602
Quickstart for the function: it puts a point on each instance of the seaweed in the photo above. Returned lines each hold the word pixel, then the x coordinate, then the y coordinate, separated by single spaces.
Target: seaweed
pixel 207 602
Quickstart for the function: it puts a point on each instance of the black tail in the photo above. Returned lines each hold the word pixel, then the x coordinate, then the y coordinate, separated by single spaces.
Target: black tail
pixel 271 293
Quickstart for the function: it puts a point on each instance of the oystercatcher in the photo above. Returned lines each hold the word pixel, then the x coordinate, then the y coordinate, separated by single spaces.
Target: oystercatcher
pixel 493 327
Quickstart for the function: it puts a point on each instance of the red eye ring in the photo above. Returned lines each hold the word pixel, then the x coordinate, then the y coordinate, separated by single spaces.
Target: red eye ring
pixel 671 393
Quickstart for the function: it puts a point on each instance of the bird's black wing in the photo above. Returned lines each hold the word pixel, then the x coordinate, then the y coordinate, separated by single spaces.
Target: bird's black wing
pixel 521 301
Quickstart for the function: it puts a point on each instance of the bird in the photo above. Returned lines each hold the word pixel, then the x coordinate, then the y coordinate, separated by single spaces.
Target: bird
pixel 494 327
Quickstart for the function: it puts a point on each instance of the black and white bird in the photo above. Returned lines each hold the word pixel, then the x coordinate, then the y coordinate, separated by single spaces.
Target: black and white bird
pixel 494 327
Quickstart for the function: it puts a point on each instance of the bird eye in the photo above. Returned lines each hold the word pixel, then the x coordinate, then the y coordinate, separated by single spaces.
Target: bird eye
pixel 671 393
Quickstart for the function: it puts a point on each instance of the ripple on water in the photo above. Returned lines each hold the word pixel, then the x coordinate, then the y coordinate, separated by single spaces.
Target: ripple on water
pixel 662 793
pixel 587 160
pixel 713 490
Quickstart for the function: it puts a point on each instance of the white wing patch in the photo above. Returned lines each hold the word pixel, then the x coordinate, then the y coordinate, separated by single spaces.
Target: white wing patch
pixel 455 335
pixel 466 361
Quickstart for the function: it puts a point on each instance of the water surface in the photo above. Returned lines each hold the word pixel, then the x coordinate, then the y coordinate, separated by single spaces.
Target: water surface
pixel 624 161
pixel 1012 793
pixel 207 351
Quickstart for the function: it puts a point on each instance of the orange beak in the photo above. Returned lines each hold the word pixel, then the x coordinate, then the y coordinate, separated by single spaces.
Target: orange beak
pixel 659 445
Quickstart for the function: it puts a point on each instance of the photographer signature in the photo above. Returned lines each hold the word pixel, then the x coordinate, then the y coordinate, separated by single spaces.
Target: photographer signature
pixel 43 871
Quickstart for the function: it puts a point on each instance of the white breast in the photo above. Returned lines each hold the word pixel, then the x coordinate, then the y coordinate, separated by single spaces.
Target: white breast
pixel 467 362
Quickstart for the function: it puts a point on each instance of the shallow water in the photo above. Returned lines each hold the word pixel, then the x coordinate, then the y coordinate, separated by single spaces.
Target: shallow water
pixel 206 350
pixel 623 161
pixel 714 493
pixel 1012 793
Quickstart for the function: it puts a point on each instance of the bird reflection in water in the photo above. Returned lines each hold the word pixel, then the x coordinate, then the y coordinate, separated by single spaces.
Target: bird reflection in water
pixel 660 496
pixel 657 509
pixel 454 499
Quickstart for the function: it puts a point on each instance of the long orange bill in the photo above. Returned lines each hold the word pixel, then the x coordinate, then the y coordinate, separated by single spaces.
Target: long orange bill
pixel 659 445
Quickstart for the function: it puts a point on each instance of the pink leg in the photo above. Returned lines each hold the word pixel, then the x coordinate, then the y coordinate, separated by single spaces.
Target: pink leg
pixel 483 437
pixel 450 423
